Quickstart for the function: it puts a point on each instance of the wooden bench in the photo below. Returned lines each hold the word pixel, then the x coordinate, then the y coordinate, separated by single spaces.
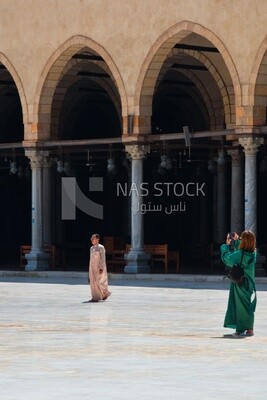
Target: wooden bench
pixel 115 250
pixel 113 243
pixel 160 253
pixel 47 248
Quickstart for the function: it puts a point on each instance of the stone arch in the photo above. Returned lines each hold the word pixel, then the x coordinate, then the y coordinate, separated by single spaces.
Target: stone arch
pixel 52 73
pixel 212 109
pixel 257 91
pixel 62 89
pixel 226 101
pixel 13 72
pixel 156 57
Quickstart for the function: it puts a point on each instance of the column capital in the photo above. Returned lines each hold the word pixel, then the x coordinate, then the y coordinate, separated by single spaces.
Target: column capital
pixel 236 156
pixel 137 151
pixel 250 144
pixel 36 158
pixel 47 159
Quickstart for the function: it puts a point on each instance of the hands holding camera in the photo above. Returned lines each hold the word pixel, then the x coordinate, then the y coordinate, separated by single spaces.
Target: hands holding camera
pixel 230 237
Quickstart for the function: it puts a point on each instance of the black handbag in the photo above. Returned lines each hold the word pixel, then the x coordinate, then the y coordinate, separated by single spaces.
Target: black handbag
pixel 236 273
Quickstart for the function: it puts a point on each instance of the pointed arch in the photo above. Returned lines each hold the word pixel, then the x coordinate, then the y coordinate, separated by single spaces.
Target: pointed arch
pixel 158 54
pixel 53 71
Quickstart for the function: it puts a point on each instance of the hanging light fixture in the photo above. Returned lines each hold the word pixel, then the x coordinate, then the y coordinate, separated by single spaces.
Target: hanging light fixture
pixel 165 163
pixel 67 168
pixel 13 164
pixel 60 164
pixel 13 167
pixel 88 163
pixel 111 167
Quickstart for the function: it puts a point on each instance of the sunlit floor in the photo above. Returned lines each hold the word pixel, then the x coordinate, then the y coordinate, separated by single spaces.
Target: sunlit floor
pixel 149 340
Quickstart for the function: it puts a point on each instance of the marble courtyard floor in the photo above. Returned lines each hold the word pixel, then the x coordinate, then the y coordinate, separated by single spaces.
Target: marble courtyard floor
pixel 150 340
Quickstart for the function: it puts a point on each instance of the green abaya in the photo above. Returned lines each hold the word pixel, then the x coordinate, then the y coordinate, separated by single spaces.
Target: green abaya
pixel 242 298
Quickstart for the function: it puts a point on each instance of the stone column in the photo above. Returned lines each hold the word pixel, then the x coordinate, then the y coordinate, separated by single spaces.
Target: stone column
pixel 251 145
pixel 58 224
pixel 237 191
pixel 215 206
pixel 37 259
pixel 221 199
pixel 47 205
pixel 137 260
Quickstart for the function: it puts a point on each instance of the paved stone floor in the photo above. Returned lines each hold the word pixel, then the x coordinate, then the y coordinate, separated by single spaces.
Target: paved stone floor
pixel 150 340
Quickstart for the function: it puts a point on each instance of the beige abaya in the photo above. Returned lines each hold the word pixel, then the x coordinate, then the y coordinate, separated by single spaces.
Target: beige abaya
pixel 98 273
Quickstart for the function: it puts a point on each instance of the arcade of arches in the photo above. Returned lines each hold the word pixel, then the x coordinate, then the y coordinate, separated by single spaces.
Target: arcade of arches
pixel 185 166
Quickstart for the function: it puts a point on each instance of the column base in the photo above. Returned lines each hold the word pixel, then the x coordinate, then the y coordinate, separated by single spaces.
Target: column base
pixel 37 261
pixel 137 262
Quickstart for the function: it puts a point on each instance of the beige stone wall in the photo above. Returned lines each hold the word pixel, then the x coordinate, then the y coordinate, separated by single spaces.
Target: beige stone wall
pixel 32 30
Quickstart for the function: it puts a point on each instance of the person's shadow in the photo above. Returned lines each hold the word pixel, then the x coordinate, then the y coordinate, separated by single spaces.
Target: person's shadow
pixel 91 301
pixel 228 336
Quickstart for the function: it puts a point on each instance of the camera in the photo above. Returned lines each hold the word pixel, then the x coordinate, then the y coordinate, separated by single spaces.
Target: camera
pixel 231 234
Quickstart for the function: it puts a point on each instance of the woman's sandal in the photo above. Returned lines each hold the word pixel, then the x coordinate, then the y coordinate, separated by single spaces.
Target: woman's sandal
pixel 239 334
pixel 105 298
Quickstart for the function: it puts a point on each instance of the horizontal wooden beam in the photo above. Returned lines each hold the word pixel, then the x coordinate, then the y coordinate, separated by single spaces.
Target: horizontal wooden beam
pixel 123 139
pixel 188 66
pixel 198 48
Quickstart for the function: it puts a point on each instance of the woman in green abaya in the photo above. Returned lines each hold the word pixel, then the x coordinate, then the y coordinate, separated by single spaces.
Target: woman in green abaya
pixel 242 297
